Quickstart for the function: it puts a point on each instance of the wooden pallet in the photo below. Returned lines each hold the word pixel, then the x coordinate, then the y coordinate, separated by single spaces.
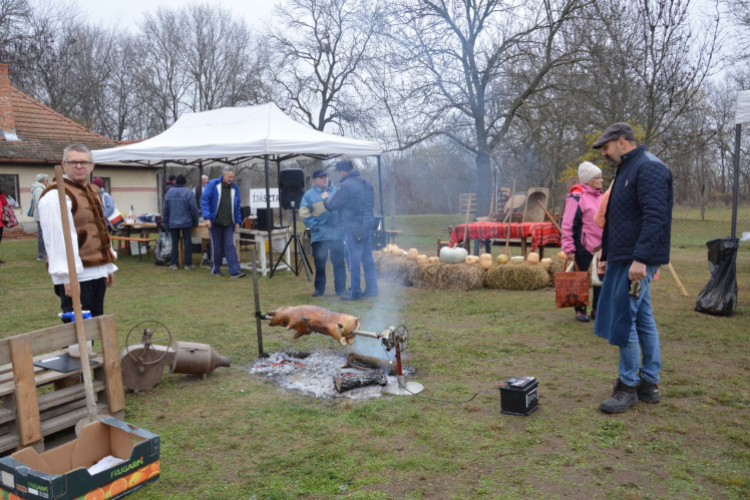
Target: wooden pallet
pixel 36 402
pixel 467 200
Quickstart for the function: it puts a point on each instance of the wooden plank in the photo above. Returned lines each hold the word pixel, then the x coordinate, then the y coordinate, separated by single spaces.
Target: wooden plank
pixel 6 415
pixel 9 442
pixel 69 419
pixel 60 410
pixel 29 425
pixel 56 398
pixel 46 378
pixel 6 371
pixel 112 369
pixel 51 339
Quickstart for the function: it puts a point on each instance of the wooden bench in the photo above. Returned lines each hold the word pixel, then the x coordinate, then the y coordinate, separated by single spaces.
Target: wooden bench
pixel 26 416
pixel 142 242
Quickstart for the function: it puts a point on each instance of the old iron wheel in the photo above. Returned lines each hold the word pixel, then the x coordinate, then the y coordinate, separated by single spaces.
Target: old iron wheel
pixel 146 350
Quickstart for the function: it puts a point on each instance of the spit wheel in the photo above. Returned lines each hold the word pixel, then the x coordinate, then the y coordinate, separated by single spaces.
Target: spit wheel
pixel 150 329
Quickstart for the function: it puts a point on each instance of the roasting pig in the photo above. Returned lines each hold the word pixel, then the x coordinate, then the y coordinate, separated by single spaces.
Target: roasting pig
pixel 307 319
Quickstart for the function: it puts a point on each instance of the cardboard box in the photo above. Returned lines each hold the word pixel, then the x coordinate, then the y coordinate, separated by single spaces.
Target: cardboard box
pixel 61 473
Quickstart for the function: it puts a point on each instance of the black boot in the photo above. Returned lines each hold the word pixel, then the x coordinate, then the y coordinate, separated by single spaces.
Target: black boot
pixel 648 392
pixel 622 398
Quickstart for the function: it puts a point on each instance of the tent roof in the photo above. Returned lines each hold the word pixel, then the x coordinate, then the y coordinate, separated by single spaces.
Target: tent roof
pixel 233 135
pixel 742 115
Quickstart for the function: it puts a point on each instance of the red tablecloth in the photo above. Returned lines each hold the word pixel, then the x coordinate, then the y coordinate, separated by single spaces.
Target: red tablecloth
pixel 541 233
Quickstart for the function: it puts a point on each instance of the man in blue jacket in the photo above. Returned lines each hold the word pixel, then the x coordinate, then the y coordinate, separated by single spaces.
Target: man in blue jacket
pixel 635 243
pixel 355 202
pixel 220 204
pixel 180 215
pixel 326 232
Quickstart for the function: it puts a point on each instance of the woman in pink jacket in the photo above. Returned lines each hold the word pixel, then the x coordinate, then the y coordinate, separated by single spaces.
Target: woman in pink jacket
pixel 581 235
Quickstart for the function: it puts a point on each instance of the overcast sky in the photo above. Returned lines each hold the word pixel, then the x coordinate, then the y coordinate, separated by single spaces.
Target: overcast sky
pixel 128 13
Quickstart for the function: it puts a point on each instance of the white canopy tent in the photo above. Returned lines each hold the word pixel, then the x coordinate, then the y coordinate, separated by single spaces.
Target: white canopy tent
pixel 741 117
pixel 231 136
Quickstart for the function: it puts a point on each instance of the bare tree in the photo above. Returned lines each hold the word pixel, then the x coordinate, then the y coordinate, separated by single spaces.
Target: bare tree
pixel 319 49
pixel 473 65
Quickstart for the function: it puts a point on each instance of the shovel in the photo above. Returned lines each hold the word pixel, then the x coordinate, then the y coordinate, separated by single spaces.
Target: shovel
pixel 75 292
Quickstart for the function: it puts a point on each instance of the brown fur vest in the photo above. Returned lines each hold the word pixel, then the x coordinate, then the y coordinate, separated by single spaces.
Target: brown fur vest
pixel 94 245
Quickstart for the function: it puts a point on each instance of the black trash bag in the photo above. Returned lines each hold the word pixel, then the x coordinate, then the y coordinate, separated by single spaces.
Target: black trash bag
pixel 719 297
pixel 163 251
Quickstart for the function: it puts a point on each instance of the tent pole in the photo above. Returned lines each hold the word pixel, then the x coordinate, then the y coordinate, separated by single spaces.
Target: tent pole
pixel 163 180
pixel 736 190
pixel 278 180
pixel 269 217
pixel 200 181
pixel 380 191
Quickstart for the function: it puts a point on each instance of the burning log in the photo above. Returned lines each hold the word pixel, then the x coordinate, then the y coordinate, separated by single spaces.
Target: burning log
pixel 348 381
pixel 369 363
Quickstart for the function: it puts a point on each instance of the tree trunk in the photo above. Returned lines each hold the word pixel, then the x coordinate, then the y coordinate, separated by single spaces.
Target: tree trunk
pixel 348 381
pixel 484 184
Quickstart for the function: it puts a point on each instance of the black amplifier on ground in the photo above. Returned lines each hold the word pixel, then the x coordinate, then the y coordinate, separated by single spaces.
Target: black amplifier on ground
pixel 519 395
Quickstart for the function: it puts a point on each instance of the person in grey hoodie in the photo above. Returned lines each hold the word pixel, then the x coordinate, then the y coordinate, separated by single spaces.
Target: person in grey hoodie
pixel 36 191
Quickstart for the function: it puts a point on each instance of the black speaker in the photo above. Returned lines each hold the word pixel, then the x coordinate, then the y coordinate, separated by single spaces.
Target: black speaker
pixel 291 187
pixel 261 223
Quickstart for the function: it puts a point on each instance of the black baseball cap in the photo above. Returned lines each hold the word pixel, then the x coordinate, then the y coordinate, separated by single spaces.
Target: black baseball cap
pixel 614 132
pixel 344 166
pixel 320 173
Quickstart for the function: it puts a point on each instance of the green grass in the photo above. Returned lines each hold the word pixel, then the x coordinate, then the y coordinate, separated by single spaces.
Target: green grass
pixel 237 435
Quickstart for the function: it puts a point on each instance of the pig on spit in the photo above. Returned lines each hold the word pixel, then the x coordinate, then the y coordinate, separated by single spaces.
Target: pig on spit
pixel 307 319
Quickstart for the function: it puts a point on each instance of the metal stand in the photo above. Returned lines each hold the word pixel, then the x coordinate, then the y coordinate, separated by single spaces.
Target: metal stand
pixel 402 387
pixel 297 248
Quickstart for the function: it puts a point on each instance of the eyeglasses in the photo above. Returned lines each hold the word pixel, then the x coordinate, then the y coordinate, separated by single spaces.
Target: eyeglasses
pixel 84 164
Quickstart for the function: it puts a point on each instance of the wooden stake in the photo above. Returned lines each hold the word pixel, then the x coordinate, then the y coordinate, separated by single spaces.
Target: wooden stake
pixel 466 226
pixel 549 215
pixel 677 279
pixel 75 292
pixel 509 219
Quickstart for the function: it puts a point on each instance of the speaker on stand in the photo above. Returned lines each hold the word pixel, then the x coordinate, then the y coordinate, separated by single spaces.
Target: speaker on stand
pixel 291 191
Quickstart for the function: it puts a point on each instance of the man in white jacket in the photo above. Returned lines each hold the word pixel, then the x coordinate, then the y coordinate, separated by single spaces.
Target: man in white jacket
pixel 92 248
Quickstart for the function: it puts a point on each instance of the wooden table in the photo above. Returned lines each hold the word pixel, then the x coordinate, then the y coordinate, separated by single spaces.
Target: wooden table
pixel 280 235
pixel 202 232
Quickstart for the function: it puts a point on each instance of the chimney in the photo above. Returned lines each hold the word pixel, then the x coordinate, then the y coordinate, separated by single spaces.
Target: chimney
pixel 7 124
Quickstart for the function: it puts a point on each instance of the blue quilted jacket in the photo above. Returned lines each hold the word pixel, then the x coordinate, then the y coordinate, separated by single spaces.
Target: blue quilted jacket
pixel 639 215
pixel 355 202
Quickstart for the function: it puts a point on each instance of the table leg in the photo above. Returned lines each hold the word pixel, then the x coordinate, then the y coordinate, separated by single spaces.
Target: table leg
pixel 541 252
pixel 523 246
pixel 237 244
pixel 262 252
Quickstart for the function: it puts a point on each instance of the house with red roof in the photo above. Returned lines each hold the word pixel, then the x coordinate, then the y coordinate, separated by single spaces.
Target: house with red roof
pixel 32 139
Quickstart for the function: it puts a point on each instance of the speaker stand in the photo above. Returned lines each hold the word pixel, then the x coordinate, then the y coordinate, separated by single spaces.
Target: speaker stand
pixel 298 249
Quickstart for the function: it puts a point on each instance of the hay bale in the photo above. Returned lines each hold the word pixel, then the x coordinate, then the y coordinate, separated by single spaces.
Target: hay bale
pixel 556 266
pixel 443 276
pixel 395 269
pixel 523 276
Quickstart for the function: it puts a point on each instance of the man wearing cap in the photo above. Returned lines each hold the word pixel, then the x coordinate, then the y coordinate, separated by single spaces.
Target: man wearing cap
pixel 36 192
pixel 355 202
pixel 636 241
pixel 326 233
pixel 92 249
pixel 179 216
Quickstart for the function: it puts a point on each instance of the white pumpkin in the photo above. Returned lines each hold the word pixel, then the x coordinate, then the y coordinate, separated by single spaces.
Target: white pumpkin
pixel 472 259
pixel 485 260
pixel 453 255
pixel 533 258
pixel 412 254
pixel 396 251
pixel 503 259
pixel 421 259
pixel 546 262
pixel 517 259
pixel 433 260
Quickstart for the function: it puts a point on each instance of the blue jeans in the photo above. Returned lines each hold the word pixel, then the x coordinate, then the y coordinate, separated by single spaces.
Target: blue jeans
pixel 643 350
pixel 187 236
pixel 222 246
pixel 320 250
pixel 41 252
pixel 360 252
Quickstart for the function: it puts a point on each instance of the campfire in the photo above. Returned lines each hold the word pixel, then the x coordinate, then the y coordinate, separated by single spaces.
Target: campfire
pixel 329 375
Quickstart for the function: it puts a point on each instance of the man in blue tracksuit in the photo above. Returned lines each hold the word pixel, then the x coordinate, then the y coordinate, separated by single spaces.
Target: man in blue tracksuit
pixel 326 232
pixel 180 215
pixel 355 202
pixel 220 205
pixel 636 241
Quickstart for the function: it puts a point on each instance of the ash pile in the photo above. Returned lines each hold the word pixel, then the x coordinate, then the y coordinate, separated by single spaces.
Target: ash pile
pixel 329 375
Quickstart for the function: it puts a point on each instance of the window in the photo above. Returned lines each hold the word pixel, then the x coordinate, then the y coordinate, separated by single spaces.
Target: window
pixel 9 184
pixel 107 184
